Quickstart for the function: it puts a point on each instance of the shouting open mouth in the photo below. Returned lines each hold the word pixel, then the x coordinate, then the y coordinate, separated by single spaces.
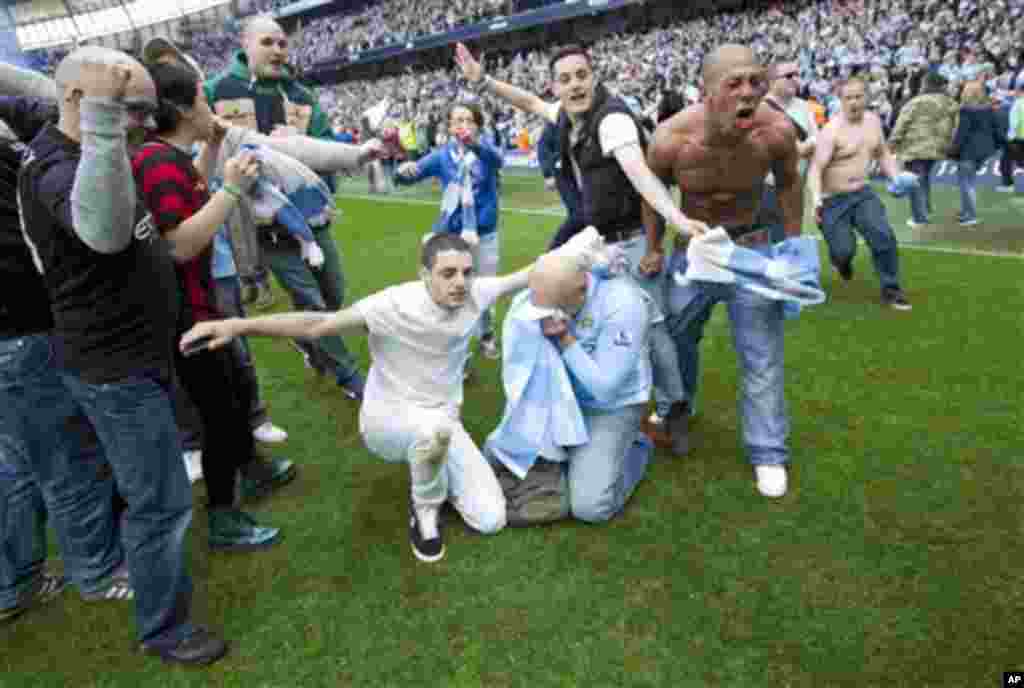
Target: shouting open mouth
pixel 745 117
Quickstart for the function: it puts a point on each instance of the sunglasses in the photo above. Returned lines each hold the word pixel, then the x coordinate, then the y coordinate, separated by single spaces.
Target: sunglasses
pixel 281 43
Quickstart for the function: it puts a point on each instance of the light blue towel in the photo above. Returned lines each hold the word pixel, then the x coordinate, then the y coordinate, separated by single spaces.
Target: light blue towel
pixel 902 184
pixel 791 274
pixel 288 193
pixel 541 412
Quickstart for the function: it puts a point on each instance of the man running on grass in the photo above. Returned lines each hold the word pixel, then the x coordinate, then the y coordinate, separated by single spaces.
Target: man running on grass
pixel 843 198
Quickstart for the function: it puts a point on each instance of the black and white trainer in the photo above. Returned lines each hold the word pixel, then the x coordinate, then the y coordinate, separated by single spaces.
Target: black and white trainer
pixel 425 538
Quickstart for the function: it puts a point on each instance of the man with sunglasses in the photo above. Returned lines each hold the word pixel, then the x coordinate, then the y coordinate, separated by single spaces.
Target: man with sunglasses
pixel 258 91
pixel 783 84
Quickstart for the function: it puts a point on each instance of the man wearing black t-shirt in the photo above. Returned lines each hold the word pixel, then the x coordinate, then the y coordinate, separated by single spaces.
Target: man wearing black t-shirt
pixel 54 457
pixel 115 303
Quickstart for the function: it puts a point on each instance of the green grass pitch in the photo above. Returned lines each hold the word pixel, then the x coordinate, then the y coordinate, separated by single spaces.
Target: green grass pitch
pixel 891 562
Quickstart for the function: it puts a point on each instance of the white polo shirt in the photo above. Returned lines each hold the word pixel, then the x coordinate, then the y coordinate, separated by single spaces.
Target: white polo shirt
pixel 419 349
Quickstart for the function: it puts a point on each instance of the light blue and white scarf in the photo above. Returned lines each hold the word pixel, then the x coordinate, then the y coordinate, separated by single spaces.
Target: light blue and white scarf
pixel 790 274
pixel 541 413
pixel 458 196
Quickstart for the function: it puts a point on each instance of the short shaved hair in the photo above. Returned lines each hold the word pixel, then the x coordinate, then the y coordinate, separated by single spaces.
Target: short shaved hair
pixel 724 58
pixel 259 23
pixel 69 71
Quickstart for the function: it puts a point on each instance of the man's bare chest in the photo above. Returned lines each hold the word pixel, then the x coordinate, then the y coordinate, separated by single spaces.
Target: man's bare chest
pixel 725 170
pixel 851 144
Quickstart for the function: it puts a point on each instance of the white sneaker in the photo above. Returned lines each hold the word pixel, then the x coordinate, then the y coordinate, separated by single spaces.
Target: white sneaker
pixel 268 433
pixel 1005 189
pixel 771 480
pixel 914 225
pixel 193 465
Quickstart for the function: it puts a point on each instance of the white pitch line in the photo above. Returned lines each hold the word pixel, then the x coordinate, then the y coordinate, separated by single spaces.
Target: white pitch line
pixel 554 213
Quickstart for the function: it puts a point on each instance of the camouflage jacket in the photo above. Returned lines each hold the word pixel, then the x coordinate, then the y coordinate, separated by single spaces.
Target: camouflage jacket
pixel 924 128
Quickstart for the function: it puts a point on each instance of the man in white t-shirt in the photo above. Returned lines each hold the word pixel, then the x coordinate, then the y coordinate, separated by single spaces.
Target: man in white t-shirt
pixel 603 157
pixel 419 336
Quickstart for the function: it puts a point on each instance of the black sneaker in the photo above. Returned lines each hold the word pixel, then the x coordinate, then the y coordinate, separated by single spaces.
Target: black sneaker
pixel 896 300
pixel 310 356
pixel 262 476
pixel 200 647
pixel 845 269
pixel 425 550
pixel 354 387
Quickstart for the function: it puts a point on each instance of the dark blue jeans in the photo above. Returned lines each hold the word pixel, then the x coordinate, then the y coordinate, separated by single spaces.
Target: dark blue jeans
pixel 134 420
pixel 861 209
pixel 921 197
pixel 50 461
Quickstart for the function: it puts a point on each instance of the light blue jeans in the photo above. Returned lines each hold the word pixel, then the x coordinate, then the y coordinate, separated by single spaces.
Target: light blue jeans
pixel 757 334
pixel 604 472
pixel 668 383
pixel 50 461
pixel 967 180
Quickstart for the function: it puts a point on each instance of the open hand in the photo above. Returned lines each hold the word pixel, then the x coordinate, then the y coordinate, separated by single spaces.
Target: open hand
pixel 471 68
pixel 218 332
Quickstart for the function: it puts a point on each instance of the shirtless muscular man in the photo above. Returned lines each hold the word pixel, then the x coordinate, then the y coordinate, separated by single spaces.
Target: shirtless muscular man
pixel 719 152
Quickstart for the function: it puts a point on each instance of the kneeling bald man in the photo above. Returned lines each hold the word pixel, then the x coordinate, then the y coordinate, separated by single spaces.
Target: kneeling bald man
pixel 577 400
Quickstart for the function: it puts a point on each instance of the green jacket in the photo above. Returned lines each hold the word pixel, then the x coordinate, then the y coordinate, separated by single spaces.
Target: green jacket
pixel 924 128
pixel 265 103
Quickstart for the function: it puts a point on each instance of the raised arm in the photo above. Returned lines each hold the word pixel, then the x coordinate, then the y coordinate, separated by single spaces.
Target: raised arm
pixel 299 324
pixel 517 97
pixel 103 196
pixel 316 154
pixel 15 81
pixel 509 284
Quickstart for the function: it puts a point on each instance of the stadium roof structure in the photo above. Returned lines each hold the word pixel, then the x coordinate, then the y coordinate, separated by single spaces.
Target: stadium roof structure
pixel 46 23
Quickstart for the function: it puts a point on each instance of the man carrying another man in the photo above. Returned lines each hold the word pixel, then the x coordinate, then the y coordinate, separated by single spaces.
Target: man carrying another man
pixel 258 92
